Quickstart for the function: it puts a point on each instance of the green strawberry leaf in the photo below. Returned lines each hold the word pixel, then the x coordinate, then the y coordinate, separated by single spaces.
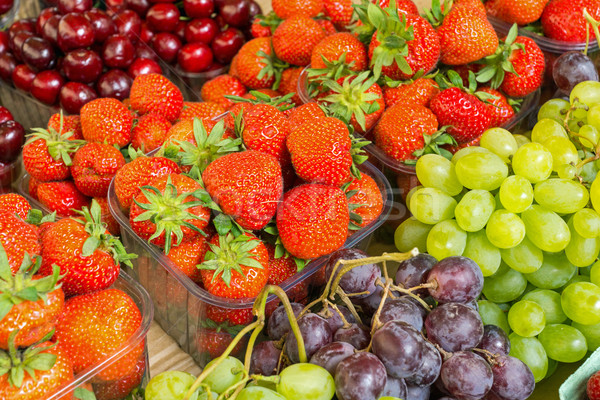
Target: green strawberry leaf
pixel 84 394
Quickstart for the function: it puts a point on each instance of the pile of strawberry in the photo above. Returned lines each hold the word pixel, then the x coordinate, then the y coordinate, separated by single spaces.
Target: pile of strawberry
pixel 58 314
pixel 561 20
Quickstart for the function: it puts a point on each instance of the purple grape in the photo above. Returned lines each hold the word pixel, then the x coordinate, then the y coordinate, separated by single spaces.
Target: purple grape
pixel 513 380
pixel 395 388
pixel 361 376
pixel 454 327
pixel 359 338
pixel 316 333
pixel 330 355
pixel 413 272
pixel 430 369
pixel 400 347
pixel 466 375
pixel 456 279
pixel 279 324
pixel 401 309
pixel 572 68
pixel 335 321
pixel 494 340
pixel 265 357
pixel 417 392
pixel 359 279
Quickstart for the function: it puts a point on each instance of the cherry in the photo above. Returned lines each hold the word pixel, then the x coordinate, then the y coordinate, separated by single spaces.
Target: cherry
pixel 16 43
pixel 12 137
pixel 142 50
pixel 5 115
pixel 128 23
pixel 118 52
pixel 74 32
pixel 143 66
pixel 50 29
pixel 6 5
pixel 102 24
pixel 254 10
pixel 22 77
pixel 199 8
pixel 114 83
pixel 226 44
pixel 195 57
pixel 139 6
pixel 236 12
pixel 79 6
pixel 45 14
pixel 180 30
pixel 115 6
pixel 46 86
pixel 82 65
pixel 219 4
pixel 4 41
pixel 220 21
pixel 75 95
pixel 146 34
pixel 166 45
pixel 38 53
pixel 201 30
pixel 8 62
pixel 22 25
pixel 163 17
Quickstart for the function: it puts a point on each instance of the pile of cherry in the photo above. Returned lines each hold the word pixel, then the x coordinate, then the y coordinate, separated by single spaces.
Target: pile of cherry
pixel 416 336
pixel 73 53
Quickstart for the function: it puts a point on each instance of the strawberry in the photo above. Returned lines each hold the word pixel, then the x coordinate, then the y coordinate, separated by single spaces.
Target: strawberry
pixel 217 88
pixel 111 223
pixel 563 20
pixel 94 326
pixel 201 110
pixel 288 8
pixel 233 70
pixel 320 151
pixel 121 388
pixel 62 197
pixel 138 173
pixel 401 129
pixel 94 166
pixel 295 38
pixel 419 91
pixel 155 93
pixel 333 47
pixel 18 238
pixel 304 113
pixel 187 255
pixel 235 267
pixel 106 120
pixel 15 204
pixel 36 372
pixel 498 107
pixel 70 123
pixel 339 12
pixel 32 187
pixel 269 92
pixel 265 129
pixel 149 132
pixel 280 268
pixel 517 11
pixel 313 220
pixel 30 303
pixel 289 83
pixel 256 67
pixel 246 185
pixel 403 6
pixel 327 26
pixel 259 30
pixel 233 316
pixel 364 193
pixel 213 341
pixel 169 210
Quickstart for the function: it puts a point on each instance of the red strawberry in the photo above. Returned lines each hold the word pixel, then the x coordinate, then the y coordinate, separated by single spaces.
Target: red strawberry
pixel 18 237
pixel 217 88
pixel 169 210
pixel 187 255
pixel 15 204
pixel 94 166
pixel 517 11
pixel 339 11
pixel 246 185
pixel 498 107
pixel 106 120
pixel 235 267
pixel 288 8
pixel 121 388
pixel 419 91
pixel 289 83
pixel 403 6
pixel 333 47
pixel 367 196
pixel 255 70
pixel 70 123
pixel 214 341
pixel 295 38
pixel 150 132
pixel 155 93
pixel 280 268
pixel 111 223
pixel 201 110
pixel 305 113
pixel 327 26
pixel 313 220
pixel 259 30
pixel 32 187
pixel 563 20
pixel 265 130
pixel 233 316
pixel 96 325
pixel 62 197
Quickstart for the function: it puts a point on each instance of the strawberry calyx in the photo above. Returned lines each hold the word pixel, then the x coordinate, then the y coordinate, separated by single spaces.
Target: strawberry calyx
pixel 392 83
pixel 231 253
pixel 498 64
pixel 224 327
pixel 433 145
pixel 36 217
pixel 282 103
pixel 334 69
pixel 270 20
pixel 437 12
pixel 356 220
pixel 82 393
pixel 359 155
pixel 99 237
pixel 274 67
pixel 60 145
pixel 130 153
pixel 453 80
pixel 280 250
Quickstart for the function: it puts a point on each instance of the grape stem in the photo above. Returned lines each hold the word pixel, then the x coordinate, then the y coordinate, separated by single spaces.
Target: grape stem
pixel 376 322
pixel 591 21
pixel 490 357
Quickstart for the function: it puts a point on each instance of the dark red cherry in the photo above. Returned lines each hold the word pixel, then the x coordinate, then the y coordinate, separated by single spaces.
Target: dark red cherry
pixel 195 57
pixel 118 52
pixel 26 25
pixel 82 65
pixel 201 30
pixel 143 66
pixel 139 6
pixel 75 95
pixel 166 45
pixel 79 6
pixel 198 8
pixel 8 62
pixel 236 12
pixel 38 53
pixel 102 24
pixel 226 44
pixel 4 42
pixel 128 23
pixel 6 6
pixel 74 32
pixel 142 50
pixel 12 137
pixel 114 83
pixel 22 77
pixel 45 14
pixel 50 29
pixel 163 17
pixel 46 86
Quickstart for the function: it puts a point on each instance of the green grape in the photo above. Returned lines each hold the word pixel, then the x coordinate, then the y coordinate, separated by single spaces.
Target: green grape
pixel 589 136
pixel 430 205
pixel 484 253
pixel 555 109
pixel 524 257
pixel 306 382
pixel 467 150
pixel 587 223
pixel 588 171
pixel 563 151
pixel 474 209
pixel 516 194
pixel 591 333
pixel 411 192
pixel 531 352
pixel 581 302
pixel 226 374
pixel 412 233
pixel 552 365
pixel 581 251
pixel 500 142
pixel 587 92
pixel 549 300
pixel 566 171
pixel 502 288
pixel 259 393
pixel 556 270
pixel 492 314
pixel 204 395
pixel 526 318
pixel 593 116
pixel 169 385
pixel 437 172
pixel 446 239
pixel 546 229
pixel 521 140
pixel 595 194
pixel 505 229
pixel 563 343
pixel 595 273
pixel 484 171
pixel 532 161
pixel 547 128
pixel 562 196
pixel 575 279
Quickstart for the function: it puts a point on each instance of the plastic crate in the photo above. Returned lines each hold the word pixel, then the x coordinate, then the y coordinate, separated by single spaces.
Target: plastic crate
pixel 28 111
